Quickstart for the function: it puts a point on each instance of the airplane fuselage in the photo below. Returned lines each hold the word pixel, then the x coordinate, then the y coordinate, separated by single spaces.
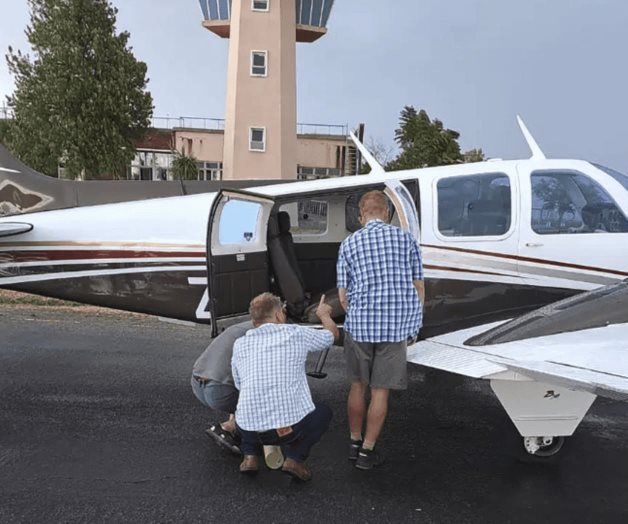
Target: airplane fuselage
pixel 497 238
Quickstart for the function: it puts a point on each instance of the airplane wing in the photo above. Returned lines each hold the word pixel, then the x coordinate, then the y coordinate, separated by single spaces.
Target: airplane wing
pixel 580 343
pixel 14 228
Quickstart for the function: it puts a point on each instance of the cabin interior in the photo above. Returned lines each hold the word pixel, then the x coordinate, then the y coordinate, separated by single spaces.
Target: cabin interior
pixel 303 237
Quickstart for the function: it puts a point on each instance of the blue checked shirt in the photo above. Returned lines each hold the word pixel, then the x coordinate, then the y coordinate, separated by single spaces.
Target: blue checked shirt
pixel 377 266
pixel 269 370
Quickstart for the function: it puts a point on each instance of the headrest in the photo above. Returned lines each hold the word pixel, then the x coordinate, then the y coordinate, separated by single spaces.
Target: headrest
pixel 283 218
pixel 273 227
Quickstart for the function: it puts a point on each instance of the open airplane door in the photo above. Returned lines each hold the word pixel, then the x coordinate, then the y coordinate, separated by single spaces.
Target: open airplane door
pixel 237 258
pixel 405 207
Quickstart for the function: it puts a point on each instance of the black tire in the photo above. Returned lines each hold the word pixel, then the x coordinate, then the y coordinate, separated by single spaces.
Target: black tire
pixel 551 449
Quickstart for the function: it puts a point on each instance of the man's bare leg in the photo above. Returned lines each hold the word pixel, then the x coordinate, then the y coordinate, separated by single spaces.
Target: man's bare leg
pixel 356 408
pixel 229 425
pixel 378 408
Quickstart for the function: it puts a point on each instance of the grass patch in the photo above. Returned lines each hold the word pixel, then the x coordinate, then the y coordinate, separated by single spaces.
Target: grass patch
pixel 13 298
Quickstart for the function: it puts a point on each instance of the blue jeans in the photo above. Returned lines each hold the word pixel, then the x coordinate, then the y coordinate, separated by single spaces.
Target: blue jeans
pixel 221 397
pixel 297 445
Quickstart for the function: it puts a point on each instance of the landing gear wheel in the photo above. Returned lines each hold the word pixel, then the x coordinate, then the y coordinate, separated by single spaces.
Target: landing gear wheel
pixel 543 446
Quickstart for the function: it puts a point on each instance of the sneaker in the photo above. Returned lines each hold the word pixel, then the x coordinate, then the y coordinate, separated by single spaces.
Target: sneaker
pixel 354 447
pixel 368 458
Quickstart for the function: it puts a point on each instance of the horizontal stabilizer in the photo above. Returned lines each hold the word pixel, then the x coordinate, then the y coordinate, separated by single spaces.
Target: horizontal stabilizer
pixel 8 229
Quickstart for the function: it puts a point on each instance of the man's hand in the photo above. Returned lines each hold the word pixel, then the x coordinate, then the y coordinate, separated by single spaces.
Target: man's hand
pixel 323 310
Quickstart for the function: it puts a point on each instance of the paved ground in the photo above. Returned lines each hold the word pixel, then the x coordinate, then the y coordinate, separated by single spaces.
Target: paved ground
pixel 98 423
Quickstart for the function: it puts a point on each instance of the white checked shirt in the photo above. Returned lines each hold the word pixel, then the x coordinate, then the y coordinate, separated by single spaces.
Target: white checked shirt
pixel 377 266
pixel 269 370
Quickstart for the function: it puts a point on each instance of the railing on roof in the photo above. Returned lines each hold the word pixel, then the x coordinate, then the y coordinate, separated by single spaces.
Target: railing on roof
pixel 193 122
pixel 323 129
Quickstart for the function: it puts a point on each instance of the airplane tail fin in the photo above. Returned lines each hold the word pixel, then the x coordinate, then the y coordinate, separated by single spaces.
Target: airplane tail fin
pixel 376 167
pixel 24 190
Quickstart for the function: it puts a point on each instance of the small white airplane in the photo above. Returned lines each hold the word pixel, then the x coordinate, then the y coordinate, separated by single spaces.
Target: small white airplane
pixel 499 239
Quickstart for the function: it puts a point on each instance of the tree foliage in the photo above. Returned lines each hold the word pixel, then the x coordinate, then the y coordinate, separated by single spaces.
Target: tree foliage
pixel 81 98
pixel 473 155
pixel 424 142
pixel 184 167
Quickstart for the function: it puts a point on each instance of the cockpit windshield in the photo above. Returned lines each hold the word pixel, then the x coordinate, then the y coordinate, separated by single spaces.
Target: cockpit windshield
pixel 620 177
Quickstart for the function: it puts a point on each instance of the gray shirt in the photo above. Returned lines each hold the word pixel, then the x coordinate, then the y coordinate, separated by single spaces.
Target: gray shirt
pixel 215 362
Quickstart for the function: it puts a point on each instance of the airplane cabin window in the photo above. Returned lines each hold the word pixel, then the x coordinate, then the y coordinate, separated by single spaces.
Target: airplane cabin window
pixel 238 222
pixel 570 202
pixel 307 216
pixel 474 205
pixel 352 208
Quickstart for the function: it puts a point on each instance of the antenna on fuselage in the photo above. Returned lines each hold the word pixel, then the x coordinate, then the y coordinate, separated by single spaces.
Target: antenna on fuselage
pixel 537 152
pixel 376 167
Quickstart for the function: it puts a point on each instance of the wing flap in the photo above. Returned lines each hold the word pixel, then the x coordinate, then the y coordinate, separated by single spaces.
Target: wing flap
pixel 453 359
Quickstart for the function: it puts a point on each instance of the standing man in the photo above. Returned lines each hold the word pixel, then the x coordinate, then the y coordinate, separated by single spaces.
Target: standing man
pixel 275 406
pixel 380 281
pixel 212 383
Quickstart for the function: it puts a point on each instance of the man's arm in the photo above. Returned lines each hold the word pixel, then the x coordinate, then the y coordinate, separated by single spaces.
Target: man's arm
pixel 234 370
pixel 342 278
pixel 342 296
pixel 417 271
pixel 323 312
pixel 419 285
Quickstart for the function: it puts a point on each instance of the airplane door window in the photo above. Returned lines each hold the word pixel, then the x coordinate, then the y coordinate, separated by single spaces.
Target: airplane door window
pixel 238 222
pixel 474 205
pixel 571 203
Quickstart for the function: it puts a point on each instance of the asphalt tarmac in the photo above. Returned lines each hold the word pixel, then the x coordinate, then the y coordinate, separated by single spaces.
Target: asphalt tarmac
pixel 98 424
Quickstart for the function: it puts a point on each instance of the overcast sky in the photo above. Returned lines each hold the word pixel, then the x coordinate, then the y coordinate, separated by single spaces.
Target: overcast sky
pixel 474 64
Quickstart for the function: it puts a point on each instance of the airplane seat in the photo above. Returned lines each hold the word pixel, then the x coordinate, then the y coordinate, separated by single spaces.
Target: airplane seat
pixel 288 275
pixel 287 243
pixel 486 217
pixel 288 281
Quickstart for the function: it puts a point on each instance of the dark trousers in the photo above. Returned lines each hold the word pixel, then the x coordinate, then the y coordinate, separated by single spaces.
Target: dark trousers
pixel 296 445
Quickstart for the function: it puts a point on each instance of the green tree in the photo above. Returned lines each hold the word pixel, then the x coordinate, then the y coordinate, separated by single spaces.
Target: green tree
pixel 424 142
pixel 82 97
pixel 473 155
pixel 5 130
pixel 184 167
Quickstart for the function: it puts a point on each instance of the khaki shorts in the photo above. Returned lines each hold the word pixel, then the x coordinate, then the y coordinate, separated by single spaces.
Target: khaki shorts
pixel 379 364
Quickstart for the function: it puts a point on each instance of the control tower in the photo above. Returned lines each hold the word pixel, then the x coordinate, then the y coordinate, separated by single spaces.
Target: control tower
pixel 260 139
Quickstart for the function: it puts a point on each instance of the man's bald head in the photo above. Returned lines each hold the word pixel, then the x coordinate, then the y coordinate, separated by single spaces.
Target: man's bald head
pixel 373 205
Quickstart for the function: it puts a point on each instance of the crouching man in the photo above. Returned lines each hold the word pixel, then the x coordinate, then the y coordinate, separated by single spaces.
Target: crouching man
pixel 275 405
pixel 212 383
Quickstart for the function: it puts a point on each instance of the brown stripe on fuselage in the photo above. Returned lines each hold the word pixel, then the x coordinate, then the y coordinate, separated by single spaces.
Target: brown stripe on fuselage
pixel 529 259
pixel 35 256
pixel 461 270
pixel 101 243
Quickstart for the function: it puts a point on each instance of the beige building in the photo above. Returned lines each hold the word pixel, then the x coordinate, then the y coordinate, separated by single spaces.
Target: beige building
pixel 322 150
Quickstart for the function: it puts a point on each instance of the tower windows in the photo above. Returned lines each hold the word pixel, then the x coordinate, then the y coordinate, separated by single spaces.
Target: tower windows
pixel 259 62
pixel 259 5
pixel 257 139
